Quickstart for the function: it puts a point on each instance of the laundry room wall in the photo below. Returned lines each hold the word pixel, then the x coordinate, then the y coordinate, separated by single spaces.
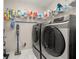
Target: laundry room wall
pixel 63 2
pixel 25 28
pixel 25 36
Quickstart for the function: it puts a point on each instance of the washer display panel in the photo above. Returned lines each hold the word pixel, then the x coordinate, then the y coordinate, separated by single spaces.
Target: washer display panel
pixel 53 41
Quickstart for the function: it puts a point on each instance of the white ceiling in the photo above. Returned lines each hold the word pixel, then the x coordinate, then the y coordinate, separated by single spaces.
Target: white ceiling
pixel 34 4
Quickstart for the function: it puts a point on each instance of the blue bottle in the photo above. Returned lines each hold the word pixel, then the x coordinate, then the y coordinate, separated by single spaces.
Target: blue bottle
pixel 12 24
pixel 59 7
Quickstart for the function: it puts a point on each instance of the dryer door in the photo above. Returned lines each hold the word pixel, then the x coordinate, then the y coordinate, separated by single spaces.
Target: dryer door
pixel 53 41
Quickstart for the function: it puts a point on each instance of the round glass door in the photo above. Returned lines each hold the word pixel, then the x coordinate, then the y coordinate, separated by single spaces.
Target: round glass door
pixel 53 41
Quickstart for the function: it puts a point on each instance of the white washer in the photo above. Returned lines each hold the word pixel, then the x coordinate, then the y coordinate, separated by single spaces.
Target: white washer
pixel 55 40
pixel 35 40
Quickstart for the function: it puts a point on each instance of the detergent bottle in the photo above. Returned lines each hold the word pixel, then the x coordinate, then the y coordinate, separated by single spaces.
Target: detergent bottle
pixel 5 15
pixel 12 23
pixel 59 8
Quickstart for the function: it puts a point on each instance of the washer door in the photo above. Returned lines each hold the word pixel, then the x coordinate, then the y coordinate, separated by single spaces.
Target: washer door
pixel 53 41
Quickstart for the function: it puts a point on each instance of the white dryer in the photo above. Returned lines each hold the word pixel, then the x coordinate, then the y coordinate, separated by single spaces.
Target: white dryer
pixel 35 40
pixel 55 40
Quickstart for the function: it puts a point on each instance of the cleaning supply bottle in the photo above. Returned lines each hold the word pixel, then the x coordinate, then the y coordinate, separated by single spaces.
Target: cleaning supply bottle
pixel 12 23
pixel 5 15
pixel 9 15
pixel 59 7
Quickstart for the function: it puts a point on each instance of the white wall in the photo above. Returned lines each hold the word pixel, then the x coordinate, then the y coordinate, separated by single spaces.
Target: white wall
pixel 25 30
pixel 24 37
pixel 63 2
pixel 34 4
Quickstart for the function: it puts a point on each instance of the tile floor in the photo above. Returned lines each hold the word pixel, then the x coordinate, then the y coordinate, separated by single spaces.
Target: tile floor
pixel 25 54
